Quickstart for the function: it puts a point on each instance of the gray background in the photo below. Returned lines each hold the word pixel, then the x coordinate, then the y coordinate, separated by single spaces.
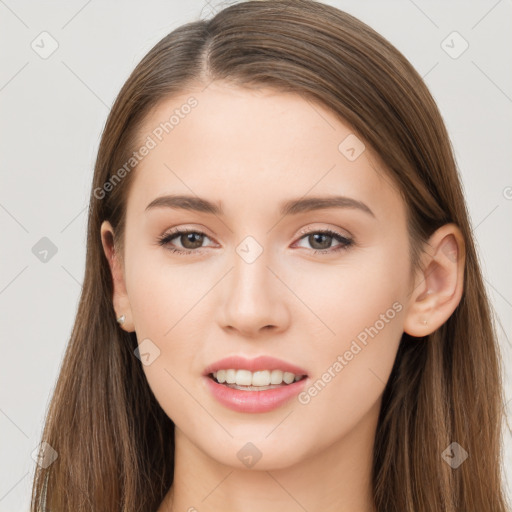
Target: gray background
pixel 53 111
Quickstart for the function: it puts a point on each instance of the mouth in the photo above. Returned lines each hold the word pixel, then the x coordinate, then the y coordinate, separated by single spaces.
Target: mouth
pixel 262 380
pixel 254 385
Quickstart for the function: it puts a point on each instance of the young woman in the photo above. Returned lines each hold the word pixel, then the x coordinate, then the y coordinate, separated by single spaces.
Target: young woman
pixel 283 307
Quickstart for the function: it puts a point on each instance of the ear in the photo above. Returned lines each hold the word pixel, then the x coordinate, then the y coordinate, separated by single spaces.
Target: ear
pixel 439 283
pixel 120 297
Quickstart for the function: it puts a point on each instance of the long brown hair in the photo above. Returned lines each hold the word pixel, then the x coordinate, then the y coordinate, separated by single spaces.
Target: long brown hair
pixel 114 442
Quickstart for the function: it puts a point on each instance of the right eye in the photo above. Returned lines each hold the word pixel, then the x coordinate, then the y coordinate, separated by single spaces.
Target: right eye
pixel 190 240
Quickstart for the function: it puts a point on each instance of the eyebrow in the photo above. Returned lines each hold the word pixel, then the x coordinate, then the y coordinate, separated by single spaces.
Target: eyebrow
pixel 291 207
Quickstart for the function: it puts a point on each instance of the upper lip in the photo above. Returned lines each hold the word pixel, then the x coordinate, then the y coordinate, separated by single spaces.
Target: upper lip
pixel 253 365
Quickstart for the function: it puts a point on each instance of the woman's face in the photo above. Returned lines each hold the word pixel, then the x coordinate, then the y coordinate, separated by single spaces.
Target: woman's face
pixel 260 277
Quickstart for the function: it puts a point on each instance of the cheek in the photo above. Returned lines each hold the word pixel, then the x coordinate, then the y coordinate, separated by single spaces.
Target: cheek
pixel 343 299
pixel 164 296
pixel 351 368
pixel 165 303
pixel 358 323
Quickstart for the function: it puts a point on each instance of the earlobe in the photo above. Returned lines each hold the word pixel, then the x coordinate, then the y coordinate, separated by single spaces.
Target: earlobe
pixel 439 283
pixel 120 299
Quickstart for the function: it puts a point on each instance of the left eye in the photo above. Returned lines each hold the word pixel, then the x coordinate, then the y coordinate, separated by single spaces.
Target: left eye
pixel 191 241
pixel 323 240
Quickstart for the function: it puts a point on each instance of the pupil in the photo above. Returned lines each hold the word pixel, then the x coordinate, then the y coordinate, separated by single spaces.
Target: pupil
pixel 312 241
pixel 189 237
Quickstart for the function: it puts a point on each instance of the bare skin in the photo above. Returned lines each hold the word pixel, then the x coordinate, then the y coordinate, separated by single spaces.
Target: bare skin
pixel 250 151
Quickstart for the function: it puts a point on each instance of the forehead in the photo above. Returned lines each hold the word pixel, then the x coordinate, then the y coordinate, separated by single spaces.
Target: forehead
pixel 252 148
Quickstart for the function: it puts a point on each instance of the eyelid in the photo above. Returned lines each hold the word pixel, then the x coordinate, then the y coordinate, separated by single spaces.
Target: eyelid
pixel 187 228
pixel 314 228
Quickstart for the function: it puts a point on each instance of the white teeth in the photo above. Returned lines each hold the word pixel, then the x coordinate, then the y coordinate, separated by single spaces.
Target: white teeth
pixel 276 377
pixel 259 378
pixel 288 377
pixel 243 378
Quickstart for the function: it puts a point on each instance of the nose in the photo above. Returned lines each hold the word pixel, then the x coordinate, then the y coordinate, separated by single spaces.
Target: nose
pixel 255 299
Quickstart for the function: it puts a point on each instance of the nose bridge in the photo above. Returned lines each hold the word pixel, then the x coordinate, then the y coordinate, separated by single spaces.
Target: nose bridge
pixel 250 280
pixel 254 300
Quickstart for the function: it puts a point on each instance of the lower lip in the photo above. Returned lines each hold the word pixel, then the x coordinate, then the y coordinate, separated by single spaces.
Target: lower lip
pixel 254 401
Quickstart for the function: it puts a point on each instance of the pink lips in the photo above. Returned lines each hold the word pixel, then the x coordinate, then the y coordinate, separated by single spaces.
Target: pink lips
pixel 253 401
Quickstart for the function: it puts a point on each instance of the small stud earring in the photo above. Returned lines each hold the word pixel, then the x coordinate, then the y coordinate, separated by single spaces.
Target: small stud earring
pixel 425 322
pixel 121 319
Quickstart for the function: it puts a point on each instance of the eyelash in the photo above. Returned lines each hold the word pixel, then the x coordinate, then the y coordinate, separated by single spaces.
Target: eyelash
pixel 345 242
